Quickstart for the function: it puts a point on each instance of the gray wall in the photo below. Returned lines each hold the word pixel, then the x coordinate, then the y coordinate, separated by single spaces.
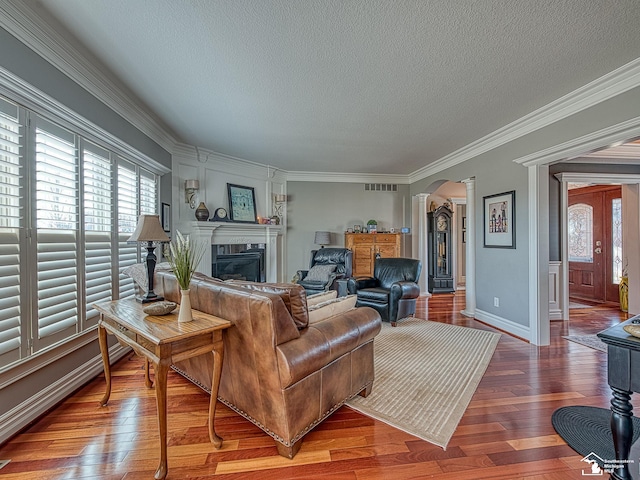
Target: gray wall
pixel 24 63
pixel 505 273
pixel 334 207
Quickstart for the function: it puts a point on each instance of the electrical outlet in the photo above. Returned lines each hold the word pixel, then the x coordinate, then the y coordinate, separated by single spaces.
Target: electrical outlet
pixel 496 302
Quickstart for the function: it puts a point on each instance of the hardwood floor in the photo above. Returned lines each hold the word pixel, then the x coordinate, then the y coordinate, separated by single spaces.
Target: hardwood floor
pixel 506 432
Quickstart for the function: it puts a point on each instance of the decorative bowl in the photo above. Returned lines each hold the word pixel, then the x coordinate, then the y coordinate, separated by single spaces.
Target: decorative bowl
pixel 160 308
pixel 632 329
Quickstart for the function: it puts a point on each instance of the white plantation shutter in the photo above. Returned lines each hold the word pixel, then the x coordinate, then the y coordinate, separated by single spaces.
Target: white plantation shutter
pixel 127 219
pixel 148 193
pixel 67 208
pixel 57 234
pixel 98 221
pixel 11 330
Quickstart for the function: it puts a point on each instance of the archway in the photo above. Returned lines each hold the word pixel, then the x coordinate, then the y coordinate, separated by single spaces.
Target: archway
pixel 455 193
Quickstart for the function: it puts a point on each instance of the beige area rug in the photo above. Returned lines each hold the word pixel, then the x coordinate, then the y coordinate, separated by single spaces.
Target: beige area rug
pixel 591 341
pixel 425 375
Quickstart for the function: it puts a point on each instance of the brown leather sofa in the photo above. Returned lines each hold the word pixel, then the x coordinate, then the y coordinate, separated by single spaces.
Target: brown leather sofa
pixel 280 372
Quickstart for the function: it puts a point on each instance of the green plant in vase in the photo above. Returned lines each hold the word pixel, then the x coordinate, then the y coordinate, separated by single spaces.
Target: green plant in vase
pixel 184 257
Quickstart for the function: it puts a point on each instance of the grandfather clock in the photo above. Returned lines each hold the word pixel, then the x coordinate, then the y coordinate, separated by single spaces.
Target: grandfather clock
pixel 440 254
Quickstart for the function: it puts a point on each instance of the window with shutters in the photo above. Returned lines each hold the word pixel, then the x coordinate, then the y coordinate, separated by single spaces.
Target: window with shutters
pixel 67 208
pixel 56 188
pixel 12 334
pixel 97 174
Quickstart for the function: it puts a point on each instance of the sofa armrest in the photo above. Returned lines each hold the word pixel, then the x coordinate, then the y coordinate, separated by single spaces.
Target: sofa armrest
pixel 325 341
pixel 356 283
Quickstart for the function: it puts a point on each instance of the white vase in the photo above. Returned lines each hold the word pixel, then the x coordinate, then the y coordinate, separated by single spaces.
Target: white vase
pixel 184 315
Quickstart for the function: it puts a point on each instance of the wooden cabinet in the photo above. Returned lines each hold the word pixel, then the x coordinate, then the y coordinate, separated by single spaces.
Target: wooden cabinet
pixel 365 247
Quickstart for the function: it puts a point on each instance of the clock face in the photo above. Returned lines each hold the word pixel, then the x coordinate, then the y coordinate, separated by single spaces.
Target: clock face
pixel 221 213
pixel 442 222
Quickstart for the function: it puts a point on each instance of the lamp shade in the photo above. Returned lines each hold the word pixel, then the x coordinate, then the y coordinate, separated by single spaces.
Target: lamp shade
pixel 323 238
pixel 192 184
pixel 280 197
pixel 148 229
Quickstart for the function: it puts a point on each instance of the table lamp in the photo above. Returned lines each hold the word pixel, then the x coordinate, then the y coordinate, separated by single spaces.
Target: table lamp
pixel 150 231
pixel 322 239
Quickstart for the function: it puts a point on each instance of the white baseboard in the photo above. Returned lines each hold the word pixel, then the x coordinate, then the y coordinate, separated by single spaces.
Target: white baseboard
pixel 22 415
pixel 508 326
pixel 555 314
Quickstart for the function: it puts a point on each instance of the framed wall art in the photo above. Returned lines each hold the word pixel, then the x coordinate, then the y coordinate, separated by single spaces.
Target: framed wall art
pixel 165 217
pixel 500 220
pixel 242 203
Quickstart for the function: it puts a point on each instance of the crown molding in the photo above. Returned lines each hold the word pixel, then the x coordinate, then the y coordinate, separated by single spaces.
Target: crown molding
pixel 613 83
pixel 578 146
pixel 41 103
pixel 628 151
pixel 335 177
pixel 598 178
pixel 24 23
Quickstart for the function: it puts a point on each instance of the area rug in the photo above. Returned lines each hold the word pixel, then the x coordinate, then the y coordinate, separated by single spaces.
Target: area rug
pixel 425 375
pixel 591 341
pixel 587 430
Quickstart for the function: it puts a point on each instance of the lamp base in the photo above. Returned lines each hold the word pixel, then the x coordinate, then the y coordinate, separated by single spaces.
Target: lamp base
pixel 149 299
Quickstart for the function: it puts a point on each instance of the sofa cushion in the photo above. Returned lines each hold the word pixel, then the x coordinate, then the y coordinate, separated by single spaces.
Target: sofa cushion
pixel 317 298
pixel 331 307
pixel 293 295
pixel 320 273
pixel 375 294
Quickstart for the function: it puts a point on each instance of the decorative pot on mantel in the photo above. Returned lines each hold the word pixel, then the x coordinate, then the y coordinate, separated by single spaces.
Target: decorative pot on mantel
pixel 184 314
pixel 202 212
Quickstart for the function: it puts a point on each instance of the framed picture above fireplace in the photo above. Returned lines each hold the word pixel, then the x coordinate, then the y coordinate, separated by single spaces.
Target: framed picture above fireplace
pixel 242 203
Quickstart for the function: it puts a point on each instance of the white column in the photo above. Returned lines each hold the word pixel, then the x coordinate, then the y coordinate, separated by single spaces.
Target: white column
pixel 470 287
pixel 539 329
pixel 421 253
pixel 564 251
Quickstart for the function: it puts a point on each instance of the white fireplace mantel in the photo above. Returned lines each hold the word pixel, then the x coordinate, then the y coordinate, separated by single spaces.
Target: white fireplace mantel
pixel 222 233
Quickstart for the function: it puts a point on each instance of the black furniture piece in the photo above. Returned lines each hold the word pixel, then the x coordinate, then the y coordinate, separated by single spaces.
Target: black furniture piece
pixel 439 247
pixel 342 258
pixel 392 290
pixel 623 376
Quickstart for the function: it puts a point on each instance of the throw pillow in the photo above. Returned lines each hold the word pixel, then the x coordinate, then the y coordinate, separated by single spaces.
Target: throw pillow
pixel 317 298
pixel 331 307
pixel 320 273
pixel 293 296
pixel 138 273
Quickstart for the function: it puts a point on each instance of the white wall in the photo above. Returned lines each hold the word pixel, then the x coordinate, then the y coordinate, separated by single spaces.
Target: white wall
pixel 214 172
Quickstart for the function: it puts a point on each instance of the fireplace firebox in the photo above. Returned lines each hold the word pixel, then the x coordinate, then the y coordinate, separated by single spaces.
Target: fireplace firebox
pixel 238 262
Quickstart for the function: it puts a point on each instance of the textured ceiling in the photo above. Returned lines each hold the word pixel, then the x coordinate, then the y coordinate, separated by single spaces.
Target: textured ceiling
pixel 361 86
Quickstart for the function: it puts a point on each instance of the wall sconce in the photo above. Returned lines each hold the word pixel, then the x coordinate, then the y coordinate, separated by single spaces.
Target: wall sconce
pixel 279 199
pixel 191 187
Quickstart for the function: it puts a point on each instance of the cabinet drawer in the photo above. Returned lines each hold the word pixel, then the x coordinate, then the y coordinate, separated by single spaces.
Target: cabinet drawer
pixel 365 238
pixel 385 238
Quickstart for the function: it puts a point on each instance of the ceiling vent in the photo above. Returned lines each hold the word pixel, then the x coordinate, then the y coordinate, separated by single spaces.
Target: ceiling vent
pixel 380 187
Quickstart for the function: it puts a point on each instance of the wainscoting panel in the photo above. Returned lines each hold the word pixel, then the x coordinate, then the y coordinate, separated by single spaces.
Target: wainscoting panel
pixel 555 299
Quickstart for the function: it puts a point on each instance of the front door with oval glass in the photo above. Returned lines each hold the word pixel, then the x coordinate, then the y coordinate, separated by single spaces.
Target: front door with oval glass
pixel 595 243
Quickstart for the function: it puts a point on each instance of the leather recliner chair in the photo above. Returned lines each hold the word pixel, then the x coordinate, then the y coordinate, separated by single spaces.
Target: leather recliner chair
pixel 340 257
pixel 392 290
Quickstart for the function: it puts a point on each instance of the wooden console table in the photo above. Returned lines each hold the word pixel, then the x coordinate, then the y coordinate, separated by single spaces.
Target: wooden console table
pixel 623 376
pixel 162 341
